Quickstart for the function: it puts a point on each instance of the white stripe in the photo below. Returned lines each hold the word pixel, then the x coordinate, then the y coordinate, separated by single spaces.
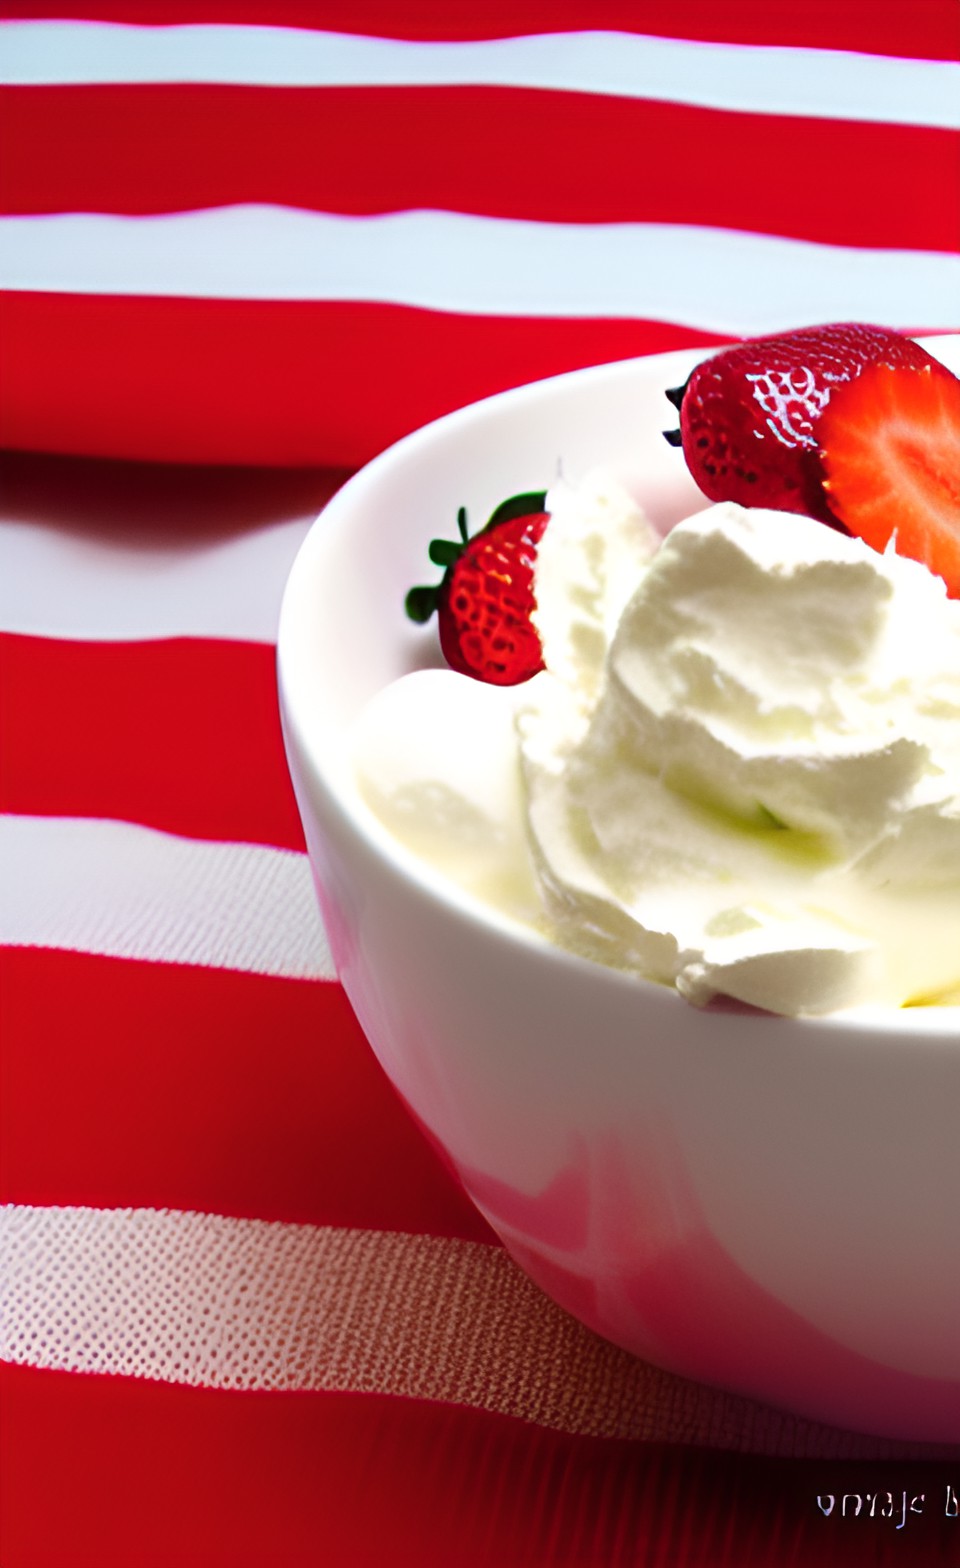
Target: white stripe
pixel 68 582
pixel 247 1304
pixel 715 279
pixel 821 83
pixel 126 891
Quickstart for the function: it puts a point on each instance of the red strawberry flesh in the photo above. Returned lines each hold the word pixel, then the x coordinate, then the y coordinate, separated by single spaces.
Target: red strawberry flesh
pixel 890 450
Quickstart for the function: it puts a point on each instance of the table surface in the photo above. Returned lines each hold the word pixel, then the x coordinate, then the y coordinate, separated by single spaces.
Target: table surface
pixel 249 1316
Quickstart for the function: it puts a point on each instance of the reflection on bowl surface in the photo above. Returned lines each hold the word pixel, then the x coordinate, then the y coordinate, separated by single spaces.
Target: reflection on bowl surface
pixel 767 1204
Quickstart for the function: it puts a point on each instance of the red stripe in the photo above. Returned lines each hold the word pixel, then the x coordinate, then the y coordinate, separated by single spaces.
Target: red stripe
pixel 161 1086
pixel 496 151
pixel 928 30
pixel 110 1472
pixel 173 379
pixel 182 735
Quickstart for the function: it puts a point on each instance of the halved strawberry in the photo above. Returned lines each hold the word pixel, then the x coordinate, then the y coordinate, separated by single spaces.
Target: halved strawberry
pixel 749 416
pixel 890 453
pixel 485 598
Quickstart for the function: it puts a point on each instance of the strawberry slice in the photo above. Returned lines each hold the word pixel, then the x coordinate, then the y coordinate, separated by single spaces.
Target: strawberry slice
pixel 890 453
pixel 750 415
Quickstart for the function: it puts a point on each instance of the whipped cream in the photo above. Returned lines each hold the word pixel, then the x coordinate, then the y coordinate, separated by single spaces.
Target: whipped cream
pixel 739 774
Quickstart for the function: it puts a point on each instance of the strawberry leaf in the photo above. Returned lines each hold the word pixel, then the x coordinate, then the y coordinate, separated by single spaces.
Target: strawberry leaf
pixel 420 604
pixel 443 552
pixel 526 505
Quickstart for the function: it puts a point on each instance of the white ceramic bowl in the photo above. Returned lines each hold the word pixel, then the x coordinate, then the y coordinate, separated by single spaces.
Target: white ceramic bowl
pixel 766 1204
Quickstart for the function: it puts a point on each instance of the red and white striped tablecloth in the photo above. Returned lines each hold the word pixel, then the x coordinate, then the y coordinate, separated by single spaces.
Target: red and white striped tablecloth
pixel 248 1317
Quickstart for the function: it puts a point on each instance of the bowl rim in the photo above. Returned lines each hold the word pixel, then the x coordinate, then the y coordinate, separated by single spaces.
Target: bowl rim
pixel 329 767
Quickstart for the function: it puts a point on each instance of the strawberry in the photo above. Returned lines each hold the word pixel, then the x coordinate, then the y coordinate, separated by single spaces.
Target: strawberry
pixel 749 416
pixel 485 598
pixel 890 450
